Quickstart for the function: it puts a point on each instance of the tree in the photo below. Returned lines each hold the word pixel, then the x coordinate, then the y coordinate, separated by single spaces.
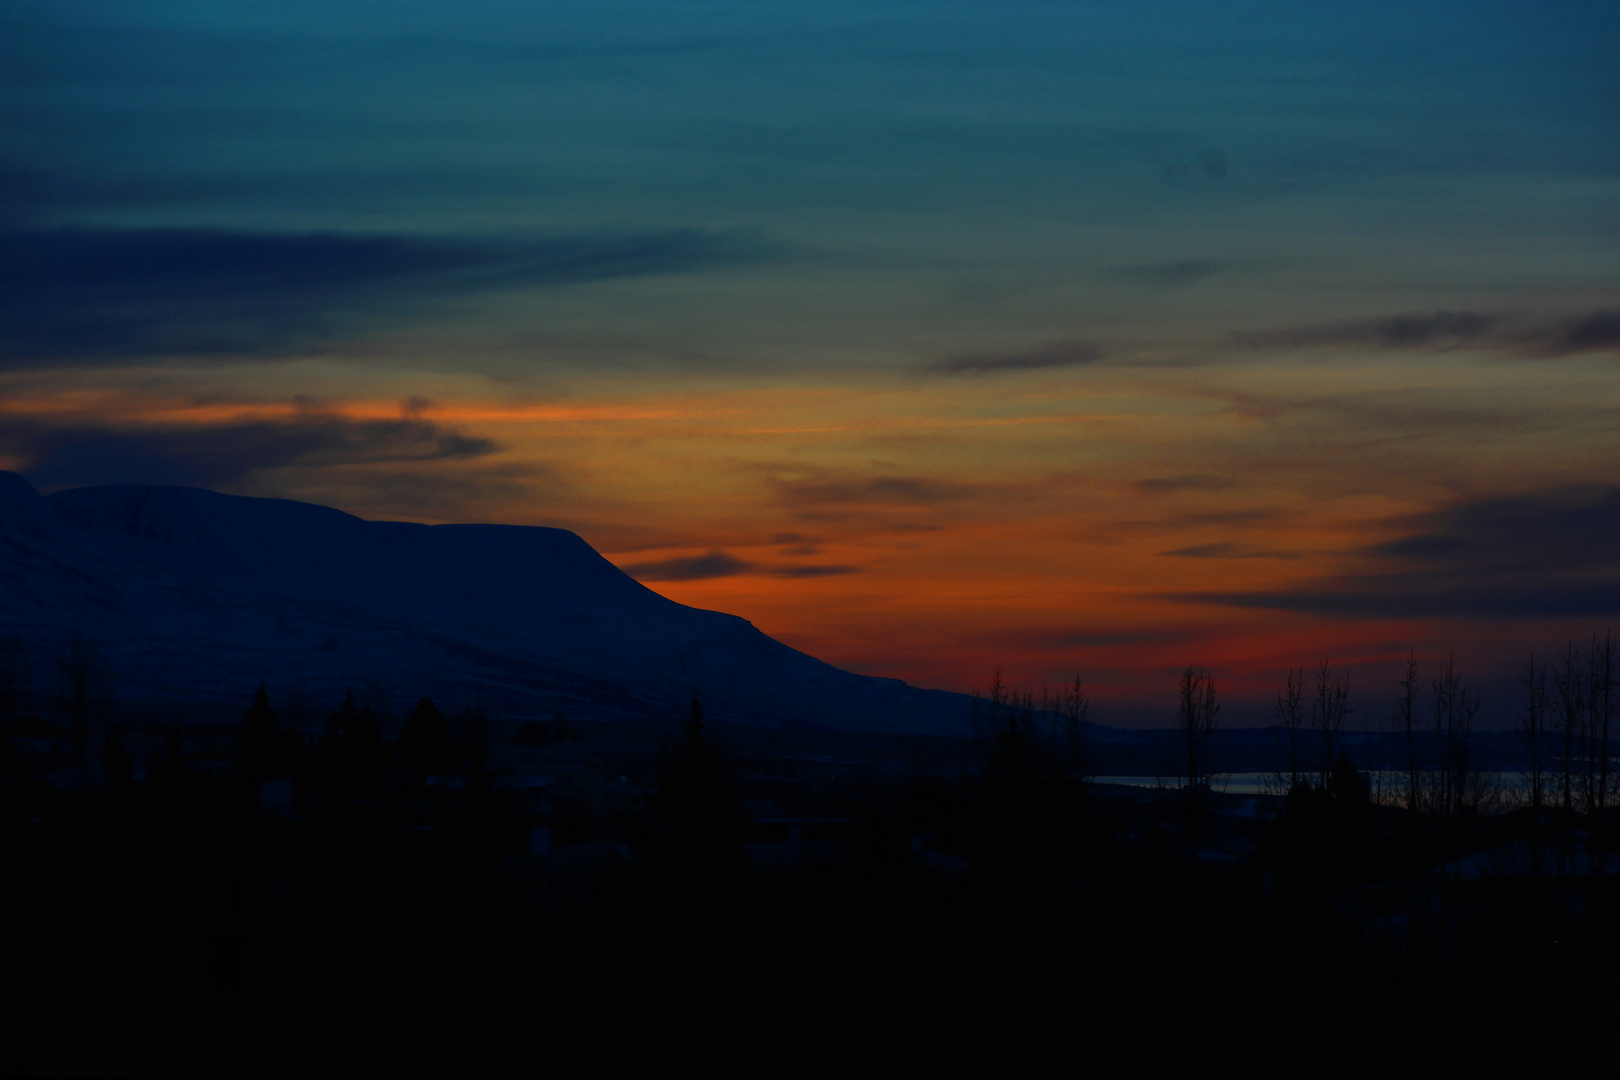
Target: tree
pixel 1569 684
pixel 1076 715
pixel 1600 707
pixel 471 734
pixel 353 748
pixel 1332 705
pixel 1196 714
pixel 1533 726
pixel 1290 714
pixel 425 744
pixel 117 767
pixel 260 746
pixel 14 680
pixel 1456 783
pixel 81 678
pixel 1405 717
pixel 699 805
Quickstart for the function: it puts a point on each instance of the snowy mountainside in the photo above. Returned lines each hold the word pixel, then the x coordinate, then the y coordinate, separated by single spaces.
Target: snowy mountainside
pixel 194 595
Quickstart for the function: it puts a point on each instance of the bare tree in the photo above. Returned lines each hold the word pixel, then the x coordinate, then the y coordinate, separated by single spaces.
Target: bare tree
pixel 1599 709
pixel 1569 684
pixel 1290 714
pixel 80 669
pixel 1196 716
pixel 990 713
pixel 1405 715
pixel 1534 728
pixel 1332 705
pixel 1456 784
pixel 1076 712
pixel 14 680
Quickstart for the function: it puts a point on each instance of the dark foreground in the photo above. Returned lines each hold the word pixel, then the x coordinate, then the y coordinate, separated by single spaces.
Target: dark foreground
pixel 180 926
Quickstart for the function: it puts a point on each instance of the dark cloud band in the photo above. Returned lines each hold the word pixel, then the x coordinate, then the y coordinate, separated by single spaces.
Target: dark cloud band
pixel 1552 336
pixel 216 455
pixel 1056 355
pixel 109 295
pixel 1546 553
pixel 714 564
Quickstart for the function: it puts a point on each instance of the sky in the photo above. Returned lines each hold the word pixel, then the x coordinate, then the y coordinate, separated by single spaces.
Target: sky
pixel 931 338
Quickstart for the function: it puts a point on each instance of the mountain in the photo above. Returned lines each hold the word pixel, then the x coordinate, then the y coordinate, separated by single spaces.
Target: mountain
pixel 192 595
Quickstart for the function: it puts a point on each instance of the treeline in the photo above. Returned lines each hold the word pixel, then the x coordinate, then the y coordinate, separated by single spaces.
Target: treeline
pixel 396 915
pixel 1419 745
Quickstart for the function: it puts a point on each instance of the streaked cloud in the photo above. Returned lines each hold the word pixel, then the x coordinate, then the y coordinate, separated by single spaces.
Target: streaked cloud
pixel 219 455
pixel 714 564
pixel 1546 553
pixel 813 571
pixel 1161 485
pixel 869 491
pixel 1535 336
pixel 108 295
pixel 1229 550
pixel 1057 354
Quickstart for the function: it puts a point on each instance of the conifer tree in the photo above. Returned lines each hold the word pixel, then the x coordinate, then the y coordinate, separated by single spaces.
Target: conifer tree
pixel 259 747
pixel 698 803
pixel 425 744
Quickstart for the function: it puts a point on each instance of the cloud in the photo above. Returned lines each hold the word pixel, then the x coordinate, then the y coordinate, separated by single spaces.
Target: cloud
pixel 1034 638
pixel 1166 274
pixel 877 490
pixel 715 564
pixel 1159 485
pixel 1414 596
pixel 1112 638
pixel 1406 331
pixel 1228 550
pixel 1212 163
pixel 1055 354
pixel 111 295
pixel 84 454
pixel 1545 336
pixel 1560 531
pixel 718 564
pixel 814 571
pixel 1594 332
pixel 1547 553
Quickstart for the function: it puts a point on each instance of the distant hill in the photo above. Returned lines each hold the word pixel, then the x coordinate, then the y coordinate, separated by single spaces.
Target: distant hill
pixel 194 595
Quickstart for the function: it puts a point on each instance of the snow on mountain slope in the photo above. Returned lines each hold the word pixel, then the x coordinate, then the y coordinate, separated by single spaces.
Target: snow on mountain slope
pixel 196 595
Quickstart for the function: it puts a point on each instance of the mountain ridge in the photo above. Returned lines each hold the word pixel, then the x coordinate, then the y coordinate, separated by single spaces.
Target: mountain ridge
pixel 193 594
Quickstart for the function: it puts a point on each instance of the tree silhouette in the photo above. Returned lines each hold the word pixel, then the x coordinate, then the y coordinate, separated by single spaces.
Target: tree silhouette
pixel 471 735
pixel 81 676
pixel 1600 708
pixel 1332 705
pixel 1405 720
pixel 1568 683
pixel 1196 714
pixel 1454 786
pixel 425 744
pixel 698 804
pixel 1290 714
pixel 1014 816
pixel 1534 729
pixel 1076 717
pixel 1035 814
pixel 117 767
pixel 260 748
pixel 353 749
pixel 14 672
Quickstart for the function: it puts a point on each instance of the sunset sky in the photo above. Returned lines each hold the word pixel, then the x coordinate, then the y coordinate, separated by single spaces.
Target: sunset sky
pixel 929 337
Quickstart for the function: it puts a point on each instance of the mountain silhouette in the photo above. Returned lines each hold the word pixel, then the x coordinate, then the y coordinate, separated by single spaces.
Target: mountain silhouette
pixel 192 595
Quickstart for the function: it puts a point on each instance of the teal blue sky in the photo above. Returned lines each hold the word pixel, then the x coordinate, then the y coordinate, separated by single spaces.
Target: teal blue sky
pixel 1127 326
